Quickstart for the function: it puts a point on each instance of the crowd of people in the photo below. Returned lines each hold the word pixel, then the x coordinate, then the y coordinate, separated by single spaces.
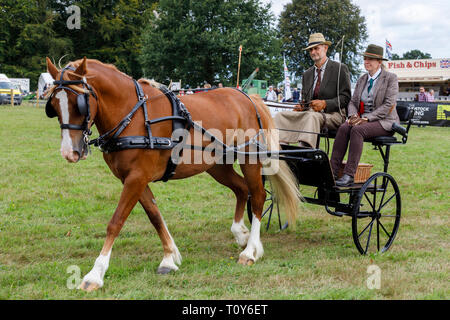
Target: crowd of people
pixel 424 96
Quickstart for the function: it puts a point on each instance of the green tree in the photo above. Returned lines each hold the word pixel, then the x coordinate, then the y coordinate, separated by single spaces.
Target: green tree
pixel 334 19
pixel 412 55
pixel 110 30
pixel 198 40
pixel 26 36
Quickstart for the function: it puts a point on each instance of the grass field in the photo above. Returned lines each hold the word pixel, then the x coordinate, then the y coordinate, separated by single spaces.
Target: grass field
pixel 54 215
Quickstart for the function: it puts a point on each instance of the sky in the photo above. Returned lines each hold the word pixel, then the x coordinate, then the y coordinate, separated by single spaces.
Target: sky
pixel 406 24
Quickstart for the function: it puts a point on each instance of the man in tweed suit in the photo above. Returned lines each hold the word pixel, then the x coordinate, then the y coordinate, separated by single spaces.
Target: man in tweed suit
pixel 325 95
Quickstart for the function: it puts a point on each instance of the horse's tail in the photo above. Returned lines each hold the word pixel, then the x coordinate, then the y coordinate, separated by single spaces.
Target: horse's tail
pixel 284 184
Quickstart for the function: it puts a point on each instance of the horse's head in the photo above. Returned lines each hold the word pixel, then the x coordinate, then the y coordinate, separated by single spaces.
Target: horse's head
pixel 70 100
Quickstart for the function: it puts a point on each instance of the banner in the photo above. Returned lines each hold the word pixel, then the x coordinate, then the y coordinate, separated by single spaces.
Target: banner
pixel 287 83
pixel 429 113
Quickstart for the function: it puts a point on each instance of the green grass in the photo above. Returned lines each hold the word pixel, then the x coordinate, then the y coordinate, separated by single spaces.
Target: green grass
pixel 54 215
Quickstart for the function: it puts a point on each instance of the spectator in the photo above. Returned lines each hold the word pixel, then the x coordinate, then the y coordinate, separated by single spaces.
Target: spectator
pixel 188 90
pixel 271 95
pixel 207 85
pixel 423 96
pixel 431 95
pixel 220 85
pixel 280 95
pixel 295 95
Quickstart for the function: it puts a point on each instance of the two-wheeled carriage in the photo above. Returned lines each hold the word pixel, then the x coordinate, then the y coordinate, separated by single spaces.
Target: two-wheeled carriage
pixel 374 205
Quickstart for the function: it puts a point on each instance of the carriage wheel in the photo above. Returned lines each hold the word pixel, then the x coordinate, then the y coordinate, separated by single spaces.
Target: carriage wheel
pixel 270 206
pixel 376 214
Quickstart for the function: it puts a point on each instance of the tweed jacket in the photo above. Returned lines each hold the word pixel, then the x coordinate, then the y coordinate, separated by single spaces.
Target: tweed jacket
pixel 329 86
pixel 384 100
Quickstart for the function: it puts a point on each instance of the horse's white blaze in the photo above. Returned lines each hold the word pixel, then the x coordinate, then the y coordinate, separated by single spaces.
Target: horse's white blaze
pixel 240 232
pixel 254 249
pixel 98 271
pixel 66 143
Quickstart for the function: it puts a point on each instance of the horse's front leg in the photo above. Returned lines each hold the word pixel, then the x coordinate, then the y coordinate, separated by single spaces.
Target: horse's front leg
pixel 132 190
pixel 172 256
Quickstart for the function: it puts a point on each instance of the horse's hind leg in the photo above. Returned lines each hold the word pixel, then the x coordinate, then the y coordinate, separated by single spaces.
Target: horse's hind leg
pixel 226 175
pixel 132 190
pixel 254 249
pixel 172 256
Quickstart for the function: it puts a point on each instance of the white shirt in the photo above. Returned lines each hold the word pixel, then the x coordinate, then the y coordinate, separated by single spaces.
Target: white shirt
pixel 271 95
pixel 316 71
pixel 374 77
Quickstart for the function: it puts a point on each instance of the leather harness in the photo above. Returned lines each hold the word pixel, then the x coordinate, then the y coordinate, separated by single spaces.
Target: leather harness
pixel 111 142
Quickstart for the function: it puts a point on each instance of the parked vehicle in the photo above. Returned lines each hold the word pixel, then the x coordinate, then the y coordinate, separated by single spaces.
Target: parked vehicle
pixel 5 91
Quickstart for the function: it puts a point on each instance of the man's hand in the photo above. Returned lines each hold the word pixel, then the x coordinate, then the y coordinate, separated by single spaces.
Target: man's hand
pixel 299 107
pixel 318 105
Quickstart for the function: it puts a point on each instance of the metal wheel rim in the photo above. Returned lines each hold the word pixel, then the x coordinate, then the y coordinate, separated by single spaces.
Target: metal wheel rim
pixel 372 187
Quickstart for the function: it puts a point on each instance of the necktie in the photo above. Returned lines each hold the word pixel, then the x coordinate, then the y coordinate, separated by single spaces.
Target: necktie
pixel 317 87
pixel 370 85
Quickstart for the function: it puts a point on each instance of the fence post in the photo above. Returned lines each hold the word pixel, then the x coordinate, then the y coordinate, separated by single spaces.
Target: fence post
pixel 12 97
pixel 37 98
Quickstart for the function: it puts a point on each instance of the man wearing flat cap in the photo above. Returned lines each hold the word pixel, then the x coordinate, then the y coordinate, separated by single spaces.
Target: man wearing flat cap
pixel 325 95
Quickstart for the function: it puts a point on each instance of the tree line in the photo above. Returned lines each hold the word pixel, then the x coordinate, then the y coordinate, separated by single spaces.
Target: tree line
pixel 191 40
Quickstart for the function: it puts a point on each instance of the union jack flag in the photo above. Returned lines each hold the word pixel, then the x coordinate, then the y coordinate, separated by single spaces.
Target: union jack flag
pixel 388 49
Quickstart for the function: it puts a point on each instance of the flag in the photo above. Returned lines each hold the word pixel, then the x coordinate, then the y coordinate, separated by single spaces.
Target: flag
pixel 388 49
pixel 287 83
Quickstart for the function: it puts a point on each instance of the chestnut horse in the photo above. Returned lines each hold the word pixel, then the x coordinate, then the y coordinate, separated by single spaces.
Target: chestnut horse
pixel 111 95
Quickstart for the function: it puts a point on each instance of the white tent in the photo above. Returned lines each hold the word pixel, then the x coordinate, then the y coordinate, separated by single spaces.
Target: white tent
pixel 45 81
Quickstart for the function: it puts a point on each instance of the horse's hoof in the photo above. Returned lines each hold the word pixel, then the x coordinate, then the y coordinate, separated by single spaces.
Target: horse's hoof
pixel 164 270
pixel 88 286
pixel 246 261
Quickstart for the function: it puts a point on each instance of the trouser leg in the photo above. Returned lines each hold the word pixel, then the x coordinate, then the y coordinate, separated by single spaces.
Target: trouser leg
pixel 357 135
pixel 340 147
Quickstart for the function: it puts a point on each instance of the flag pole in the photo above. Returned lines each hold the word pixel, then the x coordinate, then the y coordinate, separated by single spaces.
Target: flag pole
pixel 239 65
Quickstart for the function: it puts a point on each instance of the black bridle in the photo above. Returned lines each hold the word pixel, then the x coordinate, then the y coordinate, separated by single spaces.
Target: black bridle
pixel 83 105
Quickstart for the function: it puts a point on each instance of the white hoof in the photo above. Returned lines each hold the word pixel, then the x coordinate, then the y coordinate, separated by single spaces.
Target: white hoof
pixel 94 279
pixel 169 262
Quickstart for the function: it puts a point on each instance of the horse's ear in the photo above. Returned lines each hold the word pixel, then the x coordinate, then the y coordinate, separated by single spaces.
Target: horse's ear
pixel 82 69
pixel 52 69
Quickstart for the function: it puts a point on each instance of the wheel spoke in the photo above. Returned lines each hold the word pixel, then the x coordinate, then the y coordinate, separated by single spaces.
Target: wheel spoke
pixel 370 202
pixel 387 233
pixel 265 211
pixel 378 234
pixel 375 194
pixel 385 183
pixel 371 222
pixel 368 238
pixel 387 201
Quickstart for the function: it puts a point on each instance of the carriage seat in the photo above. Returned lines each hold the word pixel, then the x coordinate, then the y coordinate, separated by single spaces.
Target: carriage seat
pixel 405 114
